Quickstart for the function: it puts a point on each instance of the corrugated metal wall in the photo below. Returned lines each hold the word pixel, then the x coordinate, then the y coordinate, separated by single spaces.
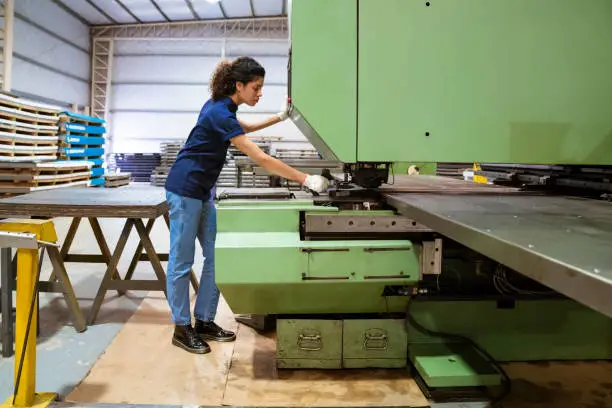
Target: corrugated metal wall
pixel 51 58
pixel 159 87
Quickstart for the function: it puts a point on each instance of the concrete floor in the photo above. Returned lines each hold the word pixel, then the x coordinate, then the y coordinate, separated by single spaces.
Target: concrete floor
pixel 64 357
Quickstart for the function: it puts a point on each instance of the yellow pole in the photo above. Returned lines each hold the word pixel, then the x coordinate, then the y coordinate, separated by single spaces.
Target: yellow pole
pixel 27 276
pixel 27 271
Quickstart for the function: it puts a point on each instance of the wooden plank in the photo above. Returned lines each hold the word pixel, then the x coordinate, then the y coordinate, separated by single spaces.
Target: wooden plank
pixel 28 189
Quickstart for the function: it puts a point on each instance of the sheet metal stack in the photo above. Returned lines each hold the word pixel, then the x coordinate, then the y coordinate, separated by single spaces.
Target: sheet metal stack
pixel 249 178
pixel 139 165
pixel 82 138
pixel 453 170
pixel 169 151
pixel 295 154
pixel 229 173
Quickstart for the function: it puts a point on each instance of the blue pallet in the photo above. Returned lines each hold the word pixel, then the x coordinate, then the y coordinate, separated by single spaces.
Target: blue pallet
pixel 97 161
pixel 82 152
pixel 83 140
pixel 83 117
pixel 97 181
pixel 97 171
pixel 78 128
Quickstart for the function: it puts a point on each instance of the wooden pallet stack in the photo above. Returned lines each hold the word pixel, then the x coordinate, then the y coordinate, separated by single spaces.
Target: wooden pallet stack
pixel 82 139
pixel 113 180
pixel 29 149
pixel 21 178
pixel 28 130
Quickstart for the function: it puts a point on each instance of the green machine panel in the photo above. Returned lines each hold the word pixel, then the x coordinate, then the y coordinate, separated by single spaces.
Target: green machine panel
pixel 496 81
pixel 455 81
pixel 324 75
pixel 277 273
pixel 530 330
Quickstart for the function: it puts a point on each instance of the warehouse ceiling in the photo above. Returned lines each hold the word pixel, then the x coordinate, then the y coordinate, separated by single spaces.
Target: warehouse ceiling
pixel 105 12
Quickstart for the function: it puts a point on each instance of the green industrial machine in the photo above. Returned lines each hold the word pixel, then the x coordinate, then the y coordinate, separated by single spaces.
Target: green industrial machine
pixel 364 276
pixel 452 81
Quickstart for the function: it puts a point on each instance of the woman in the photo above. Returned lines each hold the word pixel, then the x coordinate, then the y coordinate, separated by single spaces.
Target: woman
pixel 190 195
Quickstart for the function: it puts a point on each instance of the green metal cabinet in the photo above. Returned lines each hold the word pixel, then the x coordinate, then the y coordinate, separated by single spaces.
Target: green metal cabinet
pixel 374 343
pixel 309 344
pixel 335 343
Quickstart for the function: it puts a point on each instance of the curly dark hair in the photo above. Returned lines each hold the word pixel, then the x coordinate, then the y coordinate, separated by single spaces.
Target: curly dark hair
pixel 242 69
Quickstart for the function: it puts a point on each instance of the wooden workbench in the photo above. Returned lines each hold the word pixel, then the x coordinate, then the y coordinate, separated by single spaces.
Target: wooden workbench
pixel 132 203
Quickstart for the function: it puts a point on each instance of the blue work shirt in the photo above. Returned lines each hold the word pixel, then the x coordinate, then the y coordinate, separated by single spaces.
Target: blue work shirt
pixel 201 159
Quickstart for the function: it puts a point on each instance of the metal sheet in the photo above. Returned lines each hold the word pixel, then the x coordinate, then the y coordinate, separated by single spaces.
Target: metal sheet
pixel 121 202
pixel 561 242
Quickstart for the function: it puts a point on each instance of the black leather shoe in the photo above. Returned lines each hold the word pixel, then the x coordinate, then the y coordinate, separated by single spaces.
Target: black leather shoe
pixel 186 338
pixel 210 331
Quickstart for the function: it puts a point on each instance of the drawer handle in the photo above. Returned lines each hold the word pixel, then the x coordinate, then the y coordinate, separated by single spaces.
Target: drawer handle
pixel 310 342
pixel 313 250
pixel 375 342
pixel 393 249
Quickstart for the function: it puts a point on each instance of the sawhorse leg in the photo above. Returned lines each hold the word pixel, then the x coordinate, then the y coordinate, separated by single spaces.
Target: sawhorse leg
pixel 65 256
pixel 64 286
pixel 138 256
pixel 110 270
pixel 145 243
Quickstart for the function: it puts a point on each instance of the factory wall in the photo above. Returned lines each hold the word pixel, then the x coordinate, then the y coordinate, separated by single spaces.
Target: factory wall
pixel 51 59
pixel 159 86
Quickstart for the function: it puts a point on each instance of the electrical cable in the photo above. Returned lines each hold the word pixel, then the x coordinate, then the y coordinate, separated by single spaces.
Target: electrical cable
pixel 506 382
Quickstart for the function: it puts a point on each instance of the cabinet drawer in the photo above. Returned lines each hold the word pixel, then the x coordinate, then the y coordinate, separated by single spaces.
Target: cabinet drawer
pixel 374 343
pixel 309 343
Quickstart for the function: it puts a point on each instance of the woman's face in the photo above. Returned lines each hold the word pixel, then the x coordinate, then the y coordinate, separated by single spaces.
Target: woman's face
pixel 250 92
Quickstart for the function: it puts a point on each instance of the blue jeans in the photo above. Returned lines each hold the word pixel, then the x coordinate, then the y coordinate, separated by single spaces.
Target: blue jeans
pixel 190 219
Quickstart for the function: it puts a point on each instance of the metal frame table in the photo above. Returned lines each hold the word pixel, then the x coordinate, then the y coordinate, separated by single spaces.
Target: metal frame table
pixel 132 203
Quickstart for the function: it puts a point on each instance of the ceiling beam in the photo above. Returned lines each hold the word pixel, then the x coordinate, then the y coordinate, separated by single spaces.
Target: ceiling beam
pixel 99 10
pixel 222 9
pixel 128 10
pixel 160 10
pixel 195 13
pixel 70 11
pixel 260 28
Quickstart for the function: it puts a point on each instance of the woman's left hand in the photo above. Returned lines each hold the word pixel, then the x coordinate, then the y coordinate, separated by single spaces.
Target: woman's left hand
pixel 284 113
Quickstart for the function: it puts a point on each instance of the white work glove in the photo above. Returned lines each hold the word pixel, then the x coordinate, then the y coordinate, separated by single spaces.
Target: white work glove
pixel 284 113
pixel 317 184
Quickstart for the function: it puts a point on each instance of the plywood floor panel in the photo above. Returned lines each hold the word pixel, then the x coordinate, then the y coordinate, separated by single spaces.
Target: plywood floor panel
pixel 142 367
pixel 254 381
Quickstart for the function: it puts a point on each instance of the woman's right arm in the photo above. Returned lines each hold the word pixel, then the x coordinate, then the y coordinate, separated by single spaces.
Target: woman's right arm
pixel 273 165
pixel 246 146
